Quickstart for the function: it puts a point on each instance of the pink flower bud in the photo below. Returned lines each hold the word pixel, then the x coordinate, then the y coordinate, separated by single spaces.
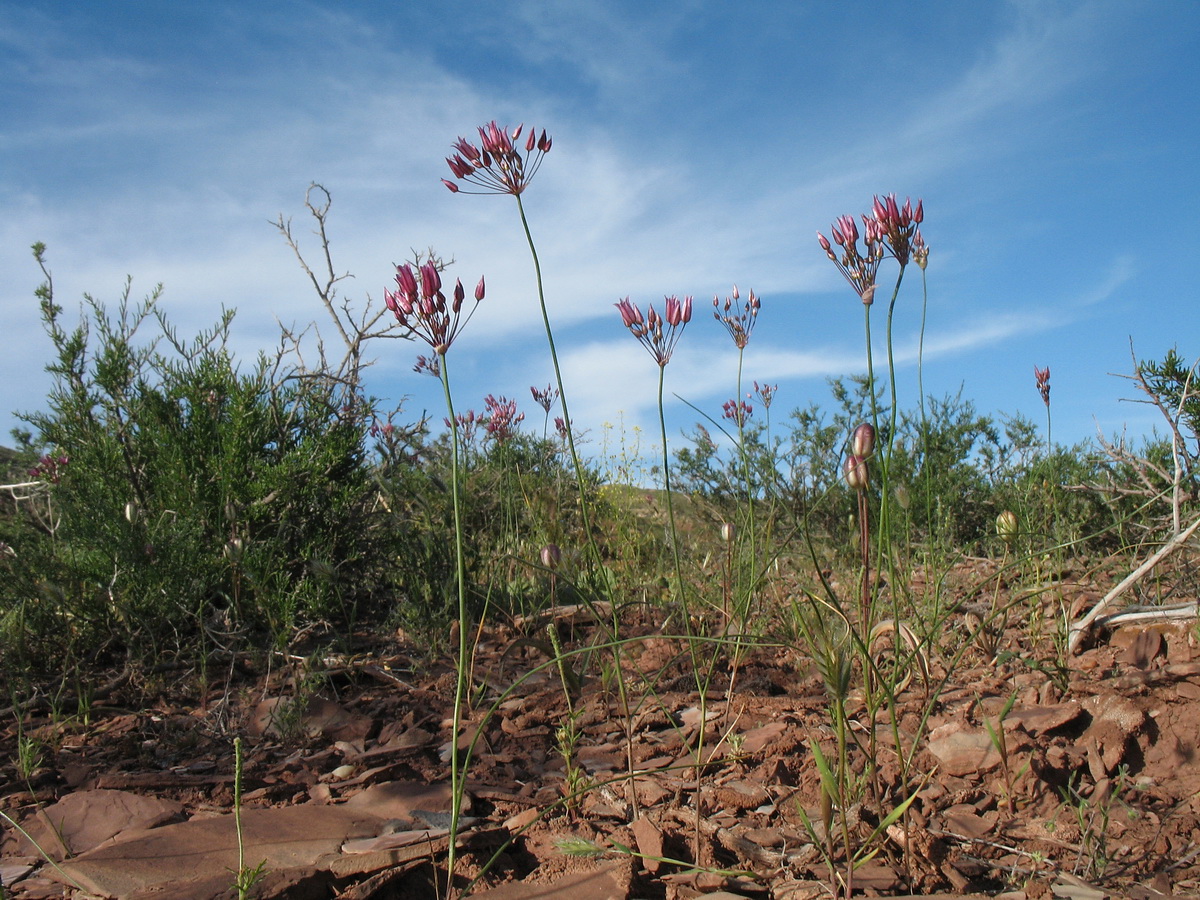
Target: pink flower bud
pixel 855 471
pixel 479 289
pixel 630 314
pixel 863 443
pixel 431 281
pixel 407 282
pixel 459 294
pixel 450 184
pixel 551 556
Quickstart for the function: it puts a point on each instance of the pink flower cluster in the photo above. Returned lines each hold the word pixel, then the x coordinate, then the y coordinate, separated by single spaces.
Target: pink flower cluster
pixel 501 419
pixel 422 308
pixel 545 398
pixel 765 393
pixel 497 164
pixel 1043 383
pixel 650 331
pixel 738 324
pixel 738 411
pixel 50 468
pixel 890 228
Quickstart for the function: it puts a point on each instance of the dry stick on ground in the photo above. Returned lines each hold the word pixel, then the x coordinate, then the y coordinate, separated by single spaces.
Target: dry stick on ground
pixel 1080 628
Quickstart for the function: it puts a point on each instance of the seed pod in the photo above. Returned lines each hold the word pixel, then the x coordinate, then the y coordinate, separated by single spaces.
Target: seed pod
pixel 1007 527
pixel 728 532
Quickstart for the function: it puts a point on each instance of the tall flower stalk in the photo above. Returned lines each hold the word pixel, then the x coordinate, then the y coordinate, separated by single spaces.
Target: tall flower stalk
pixel 1042 377
pixel 659 334
pixel 420 306
pixel 502 163
pixel 738 318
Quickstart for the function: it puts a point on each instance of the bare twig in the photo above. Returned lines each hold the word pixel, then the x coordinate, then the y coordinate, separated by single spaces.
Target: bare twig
pixel 354 328
pixel 1080 628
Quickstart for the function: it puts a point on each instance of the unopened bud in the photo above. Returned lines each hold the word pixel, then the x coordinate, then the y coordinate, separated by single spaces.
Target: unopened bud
pixel 131 512
pixel 855 471
pixel 863 443
pixel 551 556
pixel 1007 526
pixel 728 532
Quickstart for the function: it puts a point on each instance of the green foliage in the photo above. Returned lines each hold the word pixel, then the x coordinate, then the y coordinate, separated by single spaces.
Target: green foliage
pixel 193 502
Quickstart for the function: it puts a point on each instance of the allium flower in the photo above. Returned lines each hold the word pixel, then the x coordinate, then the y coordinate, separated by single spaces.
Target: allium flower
pixel 50 468
pixel 544 398
pixel 858 268
pixel 467 423
pixel 738 411
pixel 650 331
pixel 765 393
pixel 498 165
pixel 560 426
pixel 920 252
pixel 428 365
pixel 1043 383
pixel 423 308
pixel 738 324
pixel 897 225
pixel 501 418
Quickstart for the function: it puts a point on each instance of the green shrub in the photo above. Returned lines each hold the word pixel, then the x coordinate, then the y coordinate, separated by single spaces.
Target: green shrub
pixel 193 502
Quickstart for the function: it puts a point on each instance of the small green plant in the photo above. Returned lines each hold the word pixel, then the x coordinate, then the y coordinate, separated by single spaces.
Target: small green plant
pixel 999 739
pixel 1092 815
pixel 29 756
pixel 246 877
pixel 576 781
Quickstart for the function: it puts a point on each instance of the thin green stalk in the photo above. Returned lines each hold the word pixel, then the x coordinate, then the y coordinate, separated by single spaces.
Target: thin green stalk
pixel 584 510
pixel 457 768
pixel 885 521
pixel 750 528
pixel 701 680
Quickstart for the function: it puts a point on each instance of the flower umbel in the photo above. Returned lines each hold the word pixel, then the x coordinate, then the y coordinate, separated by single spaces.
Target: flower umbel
pixel 501 418
pixel 650 330
pixel 544 398
pixel 897 227
pixel 1043 383
pixel 765 393
pixel 423 308
pixel 738 411
pixel 858 268
pixel 738 324
pixel 501 163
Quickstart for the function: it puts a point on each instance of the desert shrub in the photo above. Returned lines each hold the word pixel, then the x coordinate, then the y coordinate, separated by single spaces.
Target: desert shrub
pixel 193 503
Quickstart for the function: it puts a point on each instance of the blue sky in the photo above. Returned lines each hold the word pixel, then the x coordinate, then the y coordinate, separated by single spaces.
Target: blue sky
pixel 696 145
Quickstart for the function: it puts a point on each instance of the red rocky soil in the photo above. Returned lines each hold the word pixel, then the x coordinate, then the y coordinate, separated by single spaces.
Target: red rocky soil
pixel 345 791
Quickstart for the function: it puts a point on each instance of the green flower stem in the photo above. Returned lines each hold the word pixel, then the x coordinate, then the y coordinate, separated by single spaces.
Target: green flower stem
pixel 702 680
pixel 457 768
pixel 584 510
pixel 885 519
